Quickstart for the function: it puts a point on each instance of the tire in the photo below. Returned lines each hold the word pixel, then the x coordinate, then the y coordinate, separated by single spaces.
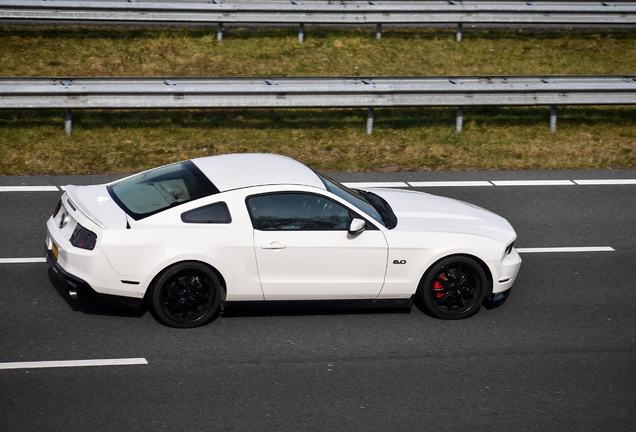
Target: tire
pixel 185 295
pixel 454 288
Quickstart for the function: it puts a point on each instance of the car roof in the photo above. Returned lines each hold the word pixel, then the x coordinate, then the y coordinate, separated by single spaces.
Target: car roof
pixel 240 170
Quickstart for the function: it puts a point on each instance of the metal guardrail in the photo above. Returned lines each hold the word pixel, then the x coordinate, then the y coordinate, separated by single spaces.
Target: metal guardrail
pixel 317 92
pixel 297 12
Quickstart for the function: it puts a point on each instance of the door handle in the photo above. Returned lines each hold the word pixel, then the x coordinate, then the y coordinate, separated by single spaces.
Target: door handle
pixel 273 245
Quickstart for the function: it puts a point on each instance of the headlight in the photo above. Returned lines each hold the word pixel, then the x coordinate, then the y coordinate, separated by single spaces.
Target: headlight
pixel 509 249
pixel 83 238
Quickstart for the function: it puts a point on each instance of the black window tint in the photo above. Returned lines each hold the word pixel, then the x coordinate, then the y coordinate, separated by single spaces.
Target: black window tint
pixel 213 213
pixel 153 191
pixel 297 211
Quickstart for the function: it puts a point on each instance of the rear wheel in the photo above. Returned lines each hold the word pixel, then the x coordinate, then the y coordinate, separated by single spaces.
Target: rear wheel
pixel 185 295
pixel 454 288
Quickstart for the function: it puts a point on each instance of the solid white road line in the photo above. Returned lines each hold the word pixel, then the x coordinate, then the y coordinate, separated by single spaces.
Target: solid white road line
pixel 606 182
pixel 406 184
pixel 29 189
pixel 533 183
pixel 21 260
pixel 449 183
pixel 566 249
pixel 375 184
pixel 74 363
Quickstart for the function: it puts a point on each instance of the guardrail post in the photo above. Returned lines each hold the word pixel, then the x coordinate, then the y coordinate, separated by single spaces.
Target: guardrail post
pixel 460 120
pixel 553 118
pixel 219 31
pixel 458 35
pixel 370 113
pixel 301 33
pixel 68 121
pixel 378 32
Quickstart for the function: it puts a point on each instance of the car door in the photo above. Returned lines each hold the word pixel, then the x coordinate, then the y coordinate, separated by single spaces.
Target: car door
pixel 304 250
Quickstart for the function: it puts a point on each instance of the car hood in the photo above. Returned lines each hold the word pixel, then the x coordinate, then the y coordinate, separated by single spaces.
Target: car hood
pixel 419 211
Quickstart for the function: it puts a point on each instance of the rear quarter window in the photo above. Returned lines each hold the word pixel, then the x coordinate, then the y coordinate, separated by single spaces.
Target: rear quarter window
pixel 217 213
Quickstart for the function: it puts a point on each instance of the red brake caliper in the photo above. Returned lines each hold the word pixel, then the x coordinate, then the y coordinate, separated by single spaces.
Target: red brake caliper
pixel 437 285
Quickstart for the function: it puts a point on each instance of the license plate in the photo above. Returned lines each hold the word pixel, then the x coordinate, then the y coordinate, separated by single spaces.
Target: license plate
pixel 55 251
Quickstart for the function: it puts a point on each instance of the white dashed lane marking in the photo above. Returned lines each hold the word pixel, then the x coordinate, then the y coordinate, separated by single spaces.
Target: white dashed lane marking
pixel 29 189
pixel 606 182
pixel 376 184
pixel 533 183
pixel 450 183
pixel 74 363
pixel 566 249
pixel 481 183
pixel 22 260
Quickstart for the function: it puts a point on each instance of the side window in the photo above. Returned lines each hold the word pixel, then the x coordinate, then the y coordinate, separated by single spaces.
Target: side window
pixel 216 213
pixel 297 211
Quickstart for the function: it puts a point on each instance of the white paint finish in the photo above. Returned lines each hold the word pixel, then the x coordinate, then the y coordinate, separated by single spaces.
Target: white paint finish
pixel 29 189
pixel 449 183
pixel 320 265
pixel 94 203
pixel 566 249
pixel 427 213
pixel 312 265
pixel 22 260
pixel 605 182
pixel 533 182
pixel 74 363
pixel 360 185
pixel 235 171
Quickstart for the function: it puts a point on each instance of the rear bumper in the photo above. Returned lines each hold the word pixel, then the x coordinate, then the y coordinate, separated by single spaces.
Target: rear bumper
pixel 81 290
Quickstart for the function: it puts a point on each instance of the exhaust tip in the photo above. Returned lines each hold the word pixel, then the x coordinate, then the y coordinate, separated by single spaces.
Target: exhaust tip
pixel 73 294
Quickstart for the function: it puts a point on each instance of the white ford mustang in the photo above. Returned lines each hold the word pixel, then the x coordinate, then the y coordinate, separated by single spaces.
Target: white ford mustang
pixel 191 236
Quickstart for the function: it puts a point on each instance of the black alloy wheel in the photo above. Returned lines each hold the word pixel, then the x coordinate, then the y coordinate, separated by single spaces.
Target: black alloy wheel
pixel 454 288
pixel 186 295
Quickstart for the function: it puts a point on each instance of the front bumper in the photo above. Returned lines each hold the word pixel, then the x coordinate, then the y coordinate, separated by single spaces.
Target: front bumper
pixel 505 272
pixel 81 290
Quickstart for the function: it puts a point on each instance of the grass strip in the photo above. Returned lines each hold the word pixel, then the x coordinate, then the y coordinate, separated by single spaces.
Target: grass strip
pixel 122 141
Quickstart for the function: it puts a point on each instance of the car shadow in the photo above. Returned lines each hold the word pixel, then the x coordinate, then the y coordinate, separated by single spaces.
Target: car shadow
pixel 269 308
pixel 490 304
pixel 303 308
pixel 486 304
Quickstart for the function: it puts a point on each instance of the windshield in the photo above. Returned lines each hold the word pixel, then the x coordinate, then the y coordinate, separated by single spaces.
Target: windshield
pixel 371 204
pixel 152 191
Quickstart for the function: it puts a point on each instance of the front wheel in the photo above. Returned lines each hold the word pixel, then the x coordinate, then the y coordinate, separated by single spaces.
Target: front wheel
pixel 186 295
pixel 454 288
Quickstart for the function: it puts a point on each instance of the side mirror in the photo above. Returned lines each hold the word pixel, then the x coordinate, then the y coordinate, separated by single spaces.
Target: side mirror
pixel 357 226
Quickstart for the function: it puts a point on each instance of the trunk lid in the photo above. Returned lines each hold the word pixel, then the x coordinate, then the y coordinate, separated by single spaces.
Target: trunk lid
pixel 97 205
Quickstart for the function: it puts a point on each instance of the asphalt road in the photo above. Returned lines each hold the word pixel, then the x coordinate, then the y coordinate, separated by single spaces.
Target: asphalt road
pixel 558 355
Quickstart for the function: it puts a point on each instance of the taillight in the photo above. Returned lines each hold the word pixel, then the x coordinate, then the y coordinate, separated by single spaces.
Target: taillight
pixel 57 208
pixel 83 238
